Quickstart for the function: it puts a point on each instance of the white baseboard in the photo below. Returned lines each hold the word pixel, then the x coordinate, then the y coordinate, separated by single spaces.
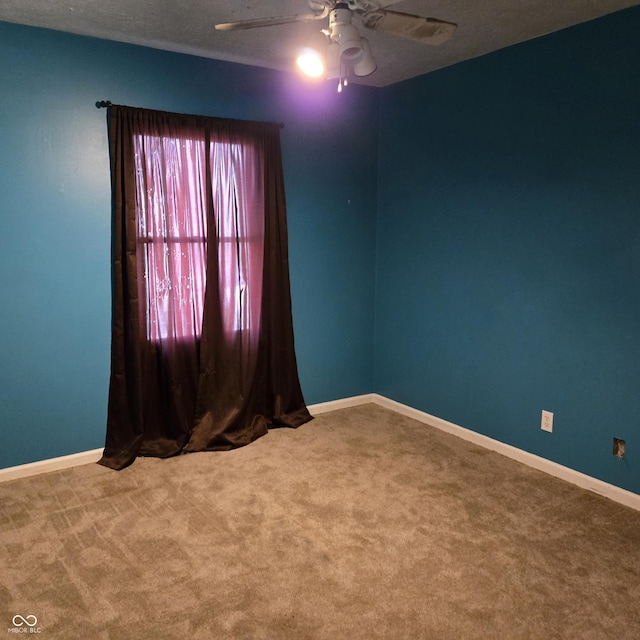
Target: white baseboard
pixel 52 464
pixel 582 480
pixel 343 403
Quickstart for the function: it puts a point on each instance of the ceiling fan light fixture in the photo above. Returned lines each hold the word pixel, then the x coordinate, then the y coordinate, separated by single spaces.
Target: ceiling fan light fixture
pixel 365 64
pixel 350 43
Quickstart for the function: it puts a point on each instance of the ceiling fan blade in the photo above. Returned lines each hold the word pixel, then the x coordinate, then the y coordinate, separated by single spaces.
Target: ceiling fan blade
pixel 427 30
pixel 269 22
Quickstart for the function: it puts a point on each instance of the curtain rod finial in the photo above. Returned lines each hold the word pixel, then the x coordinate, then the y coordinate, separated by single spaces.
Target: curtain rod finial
pixel 103 103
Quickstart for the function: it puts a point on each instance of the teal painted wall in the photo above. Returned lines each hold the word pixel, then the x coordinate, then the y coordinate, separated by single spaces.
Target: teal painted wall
pixel 55 222
pixel 508 249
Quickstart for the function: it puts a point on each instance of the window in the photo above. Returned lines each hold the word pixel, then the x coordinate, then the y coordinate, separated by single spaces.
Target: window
pixel 171 207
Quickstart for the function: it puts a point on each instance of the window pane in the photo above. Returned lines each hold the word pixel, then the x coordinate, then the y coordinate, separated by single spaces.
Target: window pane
pixel 171 210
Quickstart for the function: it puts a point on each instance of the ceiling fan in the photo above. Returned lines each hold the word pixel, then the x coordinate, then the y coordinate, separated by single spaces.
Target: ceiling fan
pixel 345 50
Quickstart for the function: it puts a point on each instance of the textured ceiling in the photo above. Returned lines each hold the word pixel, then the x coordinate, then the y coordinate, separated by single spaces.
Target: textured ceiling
pixel 187 26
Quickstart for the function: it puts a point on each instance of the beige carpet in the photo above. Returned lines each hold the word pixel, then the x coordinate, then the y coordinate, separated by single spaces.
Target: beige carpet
pixel 360 524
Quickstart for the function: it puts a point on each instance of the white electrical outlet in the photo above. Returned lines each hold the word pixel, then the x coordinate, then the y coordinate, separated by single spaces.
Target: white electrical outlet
pixel 547 421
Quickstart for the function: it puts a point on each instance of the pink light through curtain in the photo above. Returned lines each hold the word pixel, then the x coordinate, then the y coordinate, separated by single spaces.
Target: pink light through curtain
pixel 171 198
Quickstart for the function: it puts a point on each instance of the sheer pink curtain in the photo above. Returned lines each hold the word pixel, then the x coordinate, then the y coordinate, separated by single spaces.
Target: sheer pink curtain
pixel 236 175
pixel 172 233
pixel 202 341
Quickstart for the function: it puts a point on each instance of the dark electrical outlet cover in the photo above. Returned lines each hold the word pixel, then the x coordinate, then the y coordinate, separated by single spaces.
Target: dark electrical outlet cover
pixel 618 448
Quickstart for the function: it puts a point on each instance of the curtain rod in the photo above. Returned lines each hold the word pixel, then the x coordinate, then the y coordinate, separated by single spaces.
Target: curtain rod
pixel 107 103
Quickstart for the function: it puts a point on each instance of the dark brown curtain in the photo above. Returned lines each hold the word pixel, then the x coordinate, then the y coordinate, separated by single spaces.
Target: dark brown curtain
pixel 202 354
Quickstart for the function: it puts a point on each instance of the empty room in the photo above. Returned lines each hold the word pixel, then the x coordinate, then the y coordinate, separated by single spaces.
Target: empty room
pixel 404 401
